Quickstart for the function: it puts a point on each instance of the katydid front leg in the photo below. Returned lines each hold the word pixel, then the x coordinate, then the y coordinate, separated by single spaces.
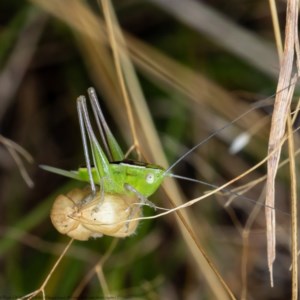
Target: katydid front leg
pixel 141 197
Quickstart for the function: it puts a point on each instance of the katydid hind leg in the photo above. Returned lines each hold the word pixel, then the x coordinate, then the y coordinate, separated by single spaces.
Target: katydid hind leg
pixel 84 142
pixel 95 106
pixel 111 145
pixel 99 158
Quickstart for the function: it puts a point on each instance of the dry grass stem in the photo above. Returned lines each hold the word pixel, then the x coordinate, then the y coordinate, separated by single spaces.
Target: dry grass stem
pixel 294 212
pixel 276 28
pixel 41 289
pixel 279 117
pixel 92 272
pixel 114 33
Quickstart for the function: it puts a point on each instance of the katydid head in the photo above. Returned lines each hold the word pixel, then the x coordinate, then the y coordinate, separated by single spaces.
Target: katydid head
pixel 142 177
pixel 151 180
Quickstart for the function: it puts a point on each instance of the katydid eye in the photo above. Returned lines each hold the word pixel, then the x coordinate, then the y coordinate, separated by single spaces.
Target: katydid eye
pixel 150 178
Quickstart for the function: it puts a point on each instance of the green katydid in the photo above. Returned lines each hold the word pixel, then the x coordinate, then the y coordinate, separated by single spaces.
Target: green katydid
pixel 111 170
pixel 124 184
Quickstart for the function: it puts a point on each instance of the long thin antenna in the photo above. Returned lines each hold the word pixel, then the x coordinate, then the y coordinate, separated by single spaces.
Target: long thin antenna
pixel 207 138
pixel 258 104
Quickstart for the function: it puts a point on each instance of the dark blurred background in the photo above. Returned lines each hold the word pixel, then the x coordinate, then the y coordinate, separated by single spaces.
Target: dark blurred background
pixel 214 59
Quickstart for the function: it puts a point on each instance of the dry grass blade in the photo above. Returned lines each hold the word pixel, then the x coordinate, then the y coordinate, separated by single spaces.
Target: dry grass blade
pixel 41 290
pixel 16 151
pixel 281 109
pixel 156 152
pixel 90 274
pixel 115 42
pixel 276 27
pixel 294 220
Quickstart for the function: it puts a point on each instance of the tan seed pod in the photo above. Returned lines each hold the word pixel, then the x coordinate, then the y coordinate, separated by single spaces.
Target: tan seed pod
pixel 80 217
